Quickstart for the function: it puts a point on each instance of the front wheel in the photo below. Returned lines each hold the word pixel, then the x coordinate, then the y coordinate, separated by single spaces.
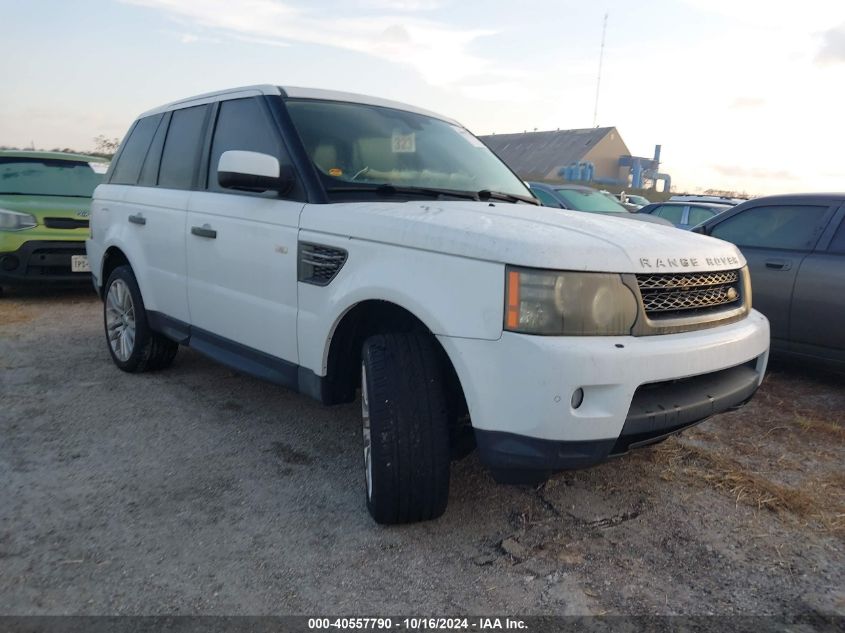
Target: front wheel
pixel 133 346
pixel 405 428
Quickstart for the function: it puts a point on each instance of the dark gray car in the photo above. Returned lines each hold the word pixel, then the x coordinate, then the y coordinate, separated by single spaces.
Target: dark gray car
pixel 795 247
pixel 580 198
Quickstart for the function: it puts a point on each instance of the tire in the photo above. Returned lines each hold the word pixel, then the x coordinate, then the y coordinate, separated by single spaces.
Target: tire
pixel 133 346
pixel 406 428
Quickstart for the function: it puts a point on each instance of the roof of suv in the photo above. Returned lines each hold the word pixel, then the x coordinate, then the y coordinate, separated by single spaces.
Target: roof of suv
pixel 294 92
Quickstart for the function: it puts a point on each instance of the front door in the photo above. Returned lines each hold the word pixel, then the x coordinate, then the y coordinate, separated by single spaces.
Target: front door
pixel 242 249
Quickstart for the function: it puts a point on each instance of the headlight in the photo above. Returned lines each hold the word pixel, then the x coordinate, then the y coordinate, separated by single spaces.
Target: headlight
pixel 568 303
pixel 14 221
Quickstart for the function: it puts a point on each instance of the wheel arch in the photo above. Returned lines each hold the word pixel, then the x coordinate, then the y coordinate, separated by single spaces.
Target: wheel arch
pixel 367 318
pixel 112 258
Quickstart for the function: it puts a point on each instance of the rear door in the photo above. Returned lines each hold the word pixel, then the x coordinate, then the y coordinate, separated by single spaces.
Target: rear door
pixel 775 239
pixel 151 218
pixel 242 247
pixel 817 323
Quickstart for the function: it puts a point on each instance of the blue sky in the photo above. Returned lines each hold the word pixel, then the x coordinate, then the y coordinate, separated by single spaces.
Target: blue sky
pixel 742 94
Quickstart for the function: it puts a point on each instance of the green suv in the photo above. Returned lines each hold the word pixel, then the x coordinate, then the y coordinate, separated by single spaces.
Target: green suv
pixel 45 200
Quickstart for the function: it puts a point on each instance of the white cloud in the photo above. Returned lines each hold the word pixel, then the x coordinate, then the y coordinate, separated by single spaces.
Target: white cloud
pixel 440 53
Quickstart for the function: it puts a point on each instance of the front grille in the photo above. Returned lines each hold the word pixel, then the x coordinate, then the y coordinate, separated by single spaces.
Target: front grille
pixel 673 295
pixel 65 223
pixel 319 264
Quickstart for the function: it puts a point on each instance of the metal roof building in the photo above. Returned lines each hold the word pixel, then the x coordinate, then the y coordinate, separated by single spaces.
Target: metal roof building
pixel 545 154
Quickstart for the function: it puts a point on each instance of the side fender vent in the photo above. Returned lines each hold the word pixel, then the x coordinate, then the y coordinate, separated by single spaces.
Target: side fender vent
pixel 319 264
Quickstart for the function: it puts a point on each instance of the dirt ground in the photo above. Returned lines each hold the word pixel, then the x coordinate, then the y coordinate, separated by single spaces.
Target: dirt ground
pixel 198 490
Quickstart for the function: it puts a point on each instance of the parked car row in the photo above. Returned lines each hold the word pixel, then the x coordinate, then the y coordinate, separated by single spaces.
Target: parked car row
pixel 587 199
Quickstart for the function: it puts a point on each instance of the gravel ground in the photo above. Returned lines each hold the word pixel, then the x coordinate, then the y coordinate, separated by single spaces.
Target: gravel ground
pixel 200 491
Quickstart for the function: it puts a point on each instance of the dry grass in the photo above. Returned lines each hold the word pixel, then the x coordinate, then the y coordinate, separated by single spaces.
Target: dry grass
pixel 820 499
pixel 13 313
pixel 830 429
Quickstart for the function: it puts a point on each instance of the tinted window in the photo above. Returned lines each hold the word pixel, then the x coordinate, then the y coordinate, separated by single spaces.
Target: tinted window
pixel 791 227
pixel 182 148
pixel 242 125
pixel 671 212
pixel 134 151
pixel 149 172
pixel 697 215
pixel 49 177
pixel 546 198
pixel 837 245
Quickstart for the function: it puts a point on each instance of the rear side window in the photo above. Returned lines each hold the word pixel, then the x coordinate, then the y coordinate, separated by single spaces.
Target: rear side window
pixel 242 124
pixel 837 245
pixel 788 227
pixel 671 212
pixel 697 215
pixel 134 151
pixel 182 148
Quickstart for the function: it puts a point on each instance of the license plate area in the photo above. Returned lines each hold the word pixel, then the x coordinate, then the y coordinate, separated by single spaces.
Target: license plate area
pixel 79 264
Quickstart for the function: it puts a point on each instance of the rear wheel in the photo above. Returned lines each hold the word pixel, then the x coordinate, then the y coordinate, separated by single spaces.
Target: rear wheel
pixel 405 428
pixel 133 346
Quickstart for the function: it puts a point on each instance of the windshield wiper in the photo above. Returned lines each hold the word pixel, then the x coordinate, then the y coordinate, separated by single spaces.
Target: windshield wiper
pixel 394 190
pixel 486 194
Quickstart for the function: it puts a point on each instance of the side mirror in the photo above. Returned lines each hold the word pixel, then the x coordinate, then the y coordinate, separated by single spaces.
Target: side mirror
pixel 701 228
pixel 253 171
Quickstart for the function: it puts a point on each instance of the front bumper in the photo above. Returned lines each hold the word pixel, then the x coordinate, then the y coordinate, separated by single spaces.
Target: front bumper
pixel 41 261
pixel 519 389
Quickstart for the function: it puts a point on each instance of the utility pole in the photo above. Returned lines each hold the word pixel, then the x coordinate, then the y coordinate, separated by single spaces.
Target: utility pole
pixel 598 79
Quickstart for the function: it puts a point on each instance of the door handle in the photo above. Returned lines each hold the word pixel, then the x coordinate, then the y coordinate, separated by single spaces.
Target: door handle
pixel 204 231
pixel 138 219
pixel 778 264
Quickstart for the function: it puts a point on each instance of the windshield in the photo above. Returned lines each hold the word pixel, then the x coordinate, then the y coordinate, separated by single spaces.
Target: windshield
pixel 49 177
pixel 362 146
pixel 591 201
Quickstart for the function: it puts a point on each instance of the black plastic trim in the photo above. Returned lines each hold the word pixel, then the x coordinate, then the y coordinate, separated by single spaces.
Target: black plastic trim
pixel 29 260
pixel 657 411
pixel 241 357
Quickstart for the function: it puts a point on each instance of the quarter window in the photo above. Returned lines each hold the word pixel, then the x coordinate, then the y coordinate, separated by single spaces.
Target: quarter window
pixel 182 148
pixel 788 227
pixel 134 151
pixel 837 245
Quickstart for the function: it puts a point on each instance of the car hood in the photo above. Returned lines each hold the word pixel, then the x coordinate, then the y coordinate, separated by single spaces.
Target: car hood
pixel 48 206
pixel 524 235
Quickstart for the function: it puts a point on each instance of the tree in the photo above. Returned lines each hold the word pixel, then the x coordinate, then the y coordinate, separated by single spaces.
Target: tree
pixel 104 146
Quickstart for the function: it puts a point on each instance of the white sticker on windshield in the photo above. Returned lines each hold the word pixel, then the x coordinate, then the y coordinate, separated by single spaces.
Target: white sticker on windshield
pixel 468 136
pixel 403 143
pixel 99 168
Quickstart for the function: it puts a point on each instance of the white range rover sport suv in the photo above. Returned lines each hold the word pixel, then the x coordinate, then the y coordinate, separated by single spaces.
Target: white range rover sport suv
pixel 331 242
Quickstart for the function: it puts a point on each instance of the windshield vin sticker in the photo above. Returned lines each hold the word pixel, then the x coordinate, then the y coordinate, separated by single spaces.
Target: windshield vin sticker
pixel 403 143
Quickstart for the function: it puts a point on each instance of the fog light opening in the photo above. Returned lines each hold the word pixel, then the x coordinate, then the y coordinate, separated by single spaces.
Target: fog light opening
pixel 9 263
pixel 577 397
